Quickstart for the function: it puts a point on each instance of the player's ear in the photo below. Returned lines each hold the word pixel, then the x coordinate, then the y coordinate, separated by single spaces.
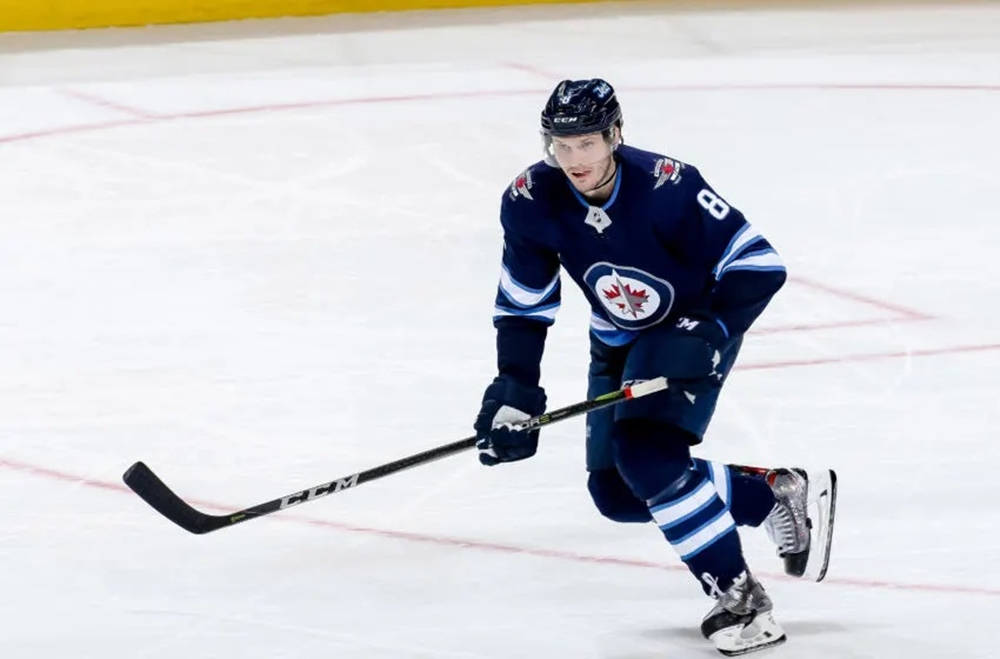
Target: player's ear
pixel 613 136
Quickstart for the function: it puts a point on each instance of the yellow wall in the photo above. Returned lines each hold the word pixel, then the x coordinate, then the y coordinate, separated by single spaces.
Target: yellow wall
pixel 62 14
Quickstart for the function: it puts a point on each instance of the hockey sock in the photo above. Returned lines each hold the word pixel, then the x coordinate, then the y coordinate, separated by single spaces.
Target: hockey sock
pixel 656 464
pixel 700 527
pixel 748 497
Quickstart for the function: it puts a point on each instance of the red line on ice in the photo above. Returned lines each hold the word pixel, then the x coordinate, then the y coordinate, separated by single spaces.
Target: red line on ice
pixel 900 313
pixel 863 299
pixel 540 552
pixel 46 472
pixel 443 96
pixel 836 324
pixel 626 562
pixel 54 474
pixel 100 101
pixel 867 357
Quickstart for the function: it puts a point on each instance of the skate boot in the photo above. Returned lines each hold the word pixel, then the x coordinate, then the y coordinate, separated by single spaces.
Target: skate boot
pixel 801 522
pixel 741 620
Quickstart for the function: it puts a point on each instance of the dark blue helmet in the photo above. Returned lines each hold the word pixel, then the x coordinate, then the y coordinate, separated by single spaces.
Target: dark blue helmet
pixel 577 107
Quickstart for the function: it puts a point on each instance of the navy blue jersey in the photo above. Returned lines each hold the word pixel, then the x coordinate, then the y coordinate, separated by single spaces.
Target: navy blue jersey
pixel 663 245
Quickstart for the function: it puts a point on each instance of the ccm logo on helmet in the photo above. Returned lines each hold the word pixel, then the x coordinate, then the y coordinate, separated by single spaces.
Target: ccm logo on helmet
pixel 564 120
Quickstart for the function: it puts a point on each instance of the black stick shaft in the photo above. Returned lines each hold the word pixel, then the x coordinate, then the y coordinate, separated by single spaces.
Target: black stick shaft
pixel 155 492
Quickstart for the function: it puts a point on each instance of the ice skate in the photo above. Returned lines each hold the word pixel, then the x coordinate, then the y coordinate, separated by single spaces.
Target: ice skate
pixel 741 620
pixel 801 522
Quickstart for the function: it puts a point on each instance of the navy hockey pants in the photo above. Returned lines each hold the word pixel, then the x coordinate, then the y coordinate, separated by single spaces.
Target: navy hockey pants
pixel 650 438
pixel 649 356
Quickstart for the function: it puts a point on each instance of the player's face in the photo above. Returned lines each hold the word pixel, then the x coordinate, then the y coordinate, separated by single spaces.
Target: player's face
pixel 585 159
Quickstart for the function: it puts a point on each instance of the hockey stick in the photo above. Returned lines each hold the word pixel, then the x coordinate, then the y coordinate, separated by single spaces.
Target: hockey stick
pixel 153 491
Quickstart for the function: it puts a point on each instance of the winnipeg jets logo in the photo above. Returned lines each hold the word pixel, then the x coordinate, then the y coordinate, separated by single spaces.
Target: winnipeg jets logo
pixel 632 299
pixel 629 302
pixel 665 170
pixel 521 186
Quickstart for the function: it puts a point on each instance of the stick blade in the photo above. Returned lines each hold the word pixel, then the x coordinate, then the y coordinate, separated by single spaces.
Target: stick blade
pixel 155 492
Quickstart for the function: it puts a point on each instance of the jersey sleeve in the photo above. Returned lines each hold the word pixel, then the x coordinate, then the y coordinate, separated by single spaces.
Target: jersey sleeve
pixel 528 295
pixel 745 270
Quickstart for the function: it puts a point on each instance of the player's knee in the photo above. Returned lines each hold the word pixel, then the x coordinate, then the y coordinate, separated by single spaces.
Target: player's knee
pixel 614 499
pixel 652 457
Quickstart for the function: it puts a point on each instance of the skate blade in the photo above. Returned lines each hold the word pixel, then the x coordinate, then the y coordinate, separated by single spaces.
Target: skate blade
pixel 822 505
pixel 761 633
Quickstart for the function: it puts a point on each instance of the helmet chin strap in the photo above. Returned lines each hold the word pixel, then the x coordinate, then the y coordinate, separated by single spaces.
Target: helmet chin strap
pixel 611 175
pixel 616 140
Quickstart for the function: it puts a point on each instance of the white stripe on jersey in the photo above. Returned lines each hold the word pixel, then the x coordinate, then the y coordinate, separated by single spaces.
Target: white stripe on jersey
pixel 601 325
pixel 746 235
pixel 766 260
pixel 522 295
pixel 538 313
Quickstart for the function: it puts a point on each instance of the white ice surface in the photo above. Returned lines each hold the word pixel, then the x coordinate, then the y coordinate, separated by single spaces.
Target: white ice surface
pixel 261 255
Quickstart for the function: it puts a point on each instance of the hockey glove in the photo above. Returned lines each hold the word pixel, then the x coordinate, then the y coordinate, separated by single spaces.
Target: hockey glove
pixel 695 345
pixel 505 402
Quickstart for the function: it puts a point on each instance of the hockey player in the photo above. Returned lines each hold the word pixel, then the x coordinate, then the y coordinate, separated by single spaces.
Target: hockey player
pixel 675 276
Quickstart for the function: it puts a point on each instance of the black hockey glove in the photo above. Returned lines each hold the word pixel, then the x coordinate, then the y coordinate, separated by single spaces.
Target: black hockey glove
pixel 507 401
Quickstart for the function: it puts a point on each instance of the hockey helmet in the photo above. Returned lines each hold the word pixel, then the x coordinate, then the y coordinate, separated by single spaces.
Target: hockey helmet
pixel 578 107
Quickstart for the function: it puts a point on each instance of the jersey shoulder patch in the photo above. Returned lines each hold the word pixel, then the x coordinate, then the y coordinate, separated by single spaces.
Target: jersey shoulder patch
pixel 667 170
pixel 521 186
pixel 664 170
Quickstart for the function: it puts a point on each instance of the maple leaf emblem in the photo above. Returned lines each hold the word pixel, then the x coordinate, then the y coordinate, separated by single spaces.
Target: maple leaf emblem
pixel 626 298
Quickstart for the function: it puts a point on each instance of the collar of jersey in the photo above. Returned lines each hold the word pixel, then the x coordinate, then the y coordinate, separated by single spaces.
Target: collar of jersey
pixel 611 199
